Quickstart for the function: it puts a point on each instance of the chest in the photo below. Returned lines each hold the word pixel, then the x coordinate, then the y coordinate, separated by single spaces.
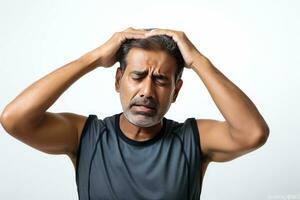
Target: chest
pixel 126 172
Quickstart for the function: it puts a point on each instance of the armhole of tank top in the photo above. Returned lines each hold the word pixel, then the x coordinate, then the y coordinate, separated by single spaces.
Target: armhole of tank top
pixel 197 138
pixel 196 135
pixel 87 123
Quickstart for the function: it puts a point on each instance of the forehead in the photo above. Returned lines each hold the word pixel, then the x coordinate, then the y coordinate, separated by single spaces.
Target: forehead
pixel 153 60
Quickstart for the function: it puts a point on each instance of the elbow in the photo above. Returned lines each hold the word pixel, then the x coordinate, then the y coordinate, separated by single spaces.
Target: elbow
pixel 4 120
pixel 16 121
pixel 7 121
pixel 261 136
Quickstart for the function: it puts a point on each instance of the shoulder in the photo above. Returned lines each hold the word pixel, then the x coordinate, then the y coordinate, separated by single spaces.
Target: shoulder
pixel 83 124
pixel 189 125
pixel 187 131
pixel 92 125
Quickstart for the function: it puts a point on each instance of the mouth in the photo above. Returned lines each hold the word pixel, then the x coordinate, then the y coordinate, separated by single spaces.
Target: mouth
pixel 144 108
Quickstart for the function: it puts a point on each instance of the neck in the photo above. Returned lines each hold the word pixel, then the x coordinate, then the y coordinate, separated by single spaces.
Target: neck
pixel 138 133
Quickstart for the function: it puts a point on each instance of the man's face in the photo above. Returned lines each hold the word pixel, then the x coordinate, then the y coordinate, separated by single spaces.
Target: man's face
pixel 147 87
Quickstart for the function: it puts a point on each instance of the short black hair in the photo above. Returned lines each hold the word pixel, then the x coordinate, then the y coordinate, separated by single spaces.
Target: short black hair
pixel 156 42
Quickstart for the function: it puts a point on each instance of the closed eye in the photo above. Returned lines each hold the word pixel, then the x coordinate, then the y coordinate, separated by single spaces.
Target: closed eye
pixel 161 78
pixel 137 77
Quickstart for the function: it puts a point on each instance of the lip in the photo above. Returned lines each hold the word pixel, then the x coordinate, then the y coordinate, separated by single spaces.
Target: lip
pixel 143 108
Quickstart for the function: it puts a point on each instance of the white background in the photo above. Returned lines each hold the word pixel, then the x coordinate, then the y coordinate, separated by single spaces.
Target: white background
pixel 254 43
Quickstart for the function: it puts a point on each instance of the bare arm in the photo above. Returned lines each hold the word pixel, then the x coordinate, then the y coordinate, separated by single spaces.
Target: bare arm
pixel 26 117
pixel 243 130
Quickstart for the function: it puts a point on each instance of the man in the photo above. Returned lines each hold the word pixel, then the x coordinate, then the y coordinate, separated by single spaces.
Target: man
pixel 139 154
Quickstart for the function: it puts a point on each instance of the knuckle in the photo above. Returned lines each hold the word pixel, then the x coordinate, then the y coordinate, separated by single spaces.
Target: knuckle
pixel 180 33
pixel 129 28
pixel 118 36
pixel 116 33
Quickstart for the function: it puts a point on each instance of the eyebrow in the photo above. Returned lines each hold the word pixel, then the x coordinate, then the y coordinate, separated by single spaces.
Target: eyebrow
pixel 145 72
pixel 139 72
pixel 162 76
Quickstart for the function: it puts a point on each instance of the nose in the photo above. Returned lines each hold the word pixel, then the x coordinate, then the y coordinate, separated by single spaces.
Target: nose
pixel 148 89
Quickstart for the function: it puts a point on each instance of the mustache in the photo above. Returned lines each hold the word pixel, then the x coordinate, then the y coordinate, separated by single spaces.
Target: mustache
pixel 147 102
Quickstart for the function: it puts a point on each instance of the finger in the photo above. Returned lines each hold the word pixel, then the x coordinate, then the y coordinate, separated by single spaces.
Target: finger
pixel 161 32
pixel 132 35
pixel 171 33
pixel 133 30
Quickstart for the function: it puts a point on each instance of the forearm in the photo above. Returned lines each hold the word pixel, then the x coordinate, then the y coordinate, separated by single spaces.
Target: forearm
pixel 29 107
pixel 237 109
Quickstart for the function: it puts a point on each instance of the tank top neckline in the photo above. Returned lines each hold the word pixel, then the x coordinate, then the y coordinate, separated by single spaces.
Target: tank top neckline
pixel 135 142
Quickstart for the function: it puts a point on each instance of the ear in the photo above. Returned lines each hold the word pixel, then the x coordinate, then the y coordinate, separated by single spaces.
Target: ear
pixel 117 79
pixel 177 89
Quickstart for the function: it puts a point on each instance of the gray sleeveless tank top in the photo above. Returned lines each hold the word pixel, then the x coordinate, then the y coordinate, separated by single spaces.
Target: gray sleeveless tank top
pixel 112 166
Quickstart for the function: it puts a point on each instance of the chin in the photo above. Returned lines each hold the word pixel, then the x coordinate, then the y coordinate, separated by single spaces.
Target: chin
pixel 141 120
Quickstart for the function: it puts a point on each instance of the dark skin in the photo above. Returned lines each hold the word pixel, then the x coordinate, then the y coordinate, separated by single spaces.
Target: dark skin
pixel 26 117
pixel 150 74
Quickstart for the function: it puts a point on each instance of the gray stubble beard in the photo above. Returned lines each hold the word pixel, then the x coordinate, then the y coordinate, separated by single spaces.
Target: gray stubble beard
pixel 144 124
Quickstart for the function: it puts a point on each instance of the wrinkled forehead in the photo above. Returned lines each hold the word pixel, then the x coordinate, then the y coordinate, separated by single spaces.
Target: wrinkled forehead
pixel 151 60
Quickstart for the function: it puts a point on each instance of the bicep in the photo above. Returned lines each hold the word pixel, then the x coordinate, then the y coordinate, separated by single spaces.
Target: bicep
pixel 218 142
pixel 56 133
